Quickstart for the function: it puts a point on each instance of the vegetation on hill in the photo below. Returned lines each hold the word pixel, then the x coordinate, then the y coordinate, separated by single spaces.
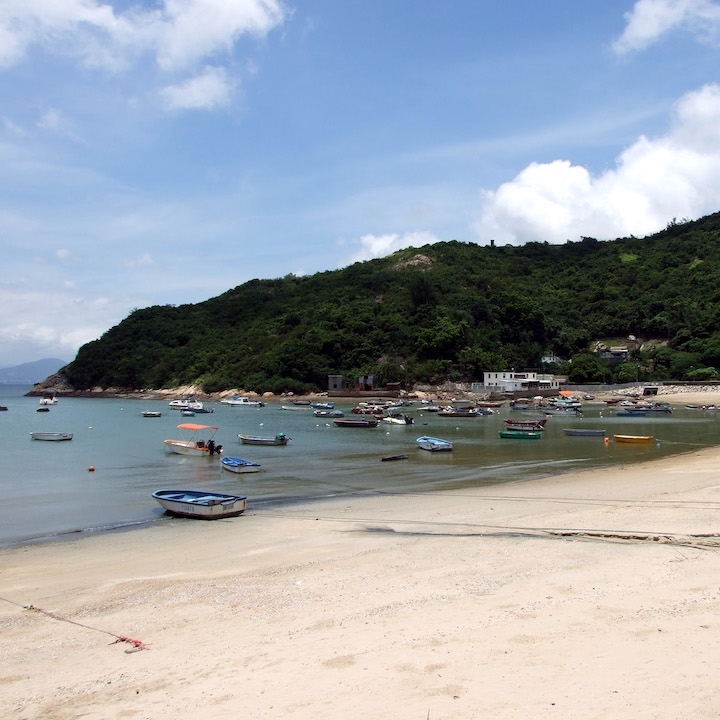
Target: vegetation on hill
pixel 450 310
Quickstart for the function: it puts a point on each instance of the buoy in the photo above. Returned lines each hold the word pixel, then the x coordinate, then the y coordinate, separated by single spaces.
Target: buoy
pixel 91 468
pixel 607 441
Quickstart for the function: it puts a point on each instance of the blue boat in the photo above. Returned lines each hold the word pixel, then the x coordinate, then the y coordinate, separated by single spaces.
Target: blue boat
pixel 238 465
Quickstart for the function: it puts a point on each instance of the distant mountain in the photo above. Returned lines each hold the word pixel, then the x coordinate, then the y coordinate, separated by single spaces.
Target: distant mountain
pixel 30 373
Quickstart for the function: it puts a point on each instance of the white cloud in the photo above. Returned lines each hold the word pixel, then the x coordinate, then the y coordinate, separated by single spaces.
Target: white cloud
pixel 654 181
pixel 179 33
pixel 206 91
pixel 373 246
pixel 651 19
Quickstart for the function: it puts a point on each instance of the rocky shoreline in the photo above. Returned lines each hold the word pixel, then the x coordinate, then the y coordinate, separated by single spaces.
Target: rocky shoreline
pixel 56 384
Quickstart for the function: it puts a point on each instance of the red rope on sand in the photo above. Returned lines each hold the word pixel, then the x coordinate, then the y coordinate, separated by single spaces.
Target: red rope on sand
pixel 137 644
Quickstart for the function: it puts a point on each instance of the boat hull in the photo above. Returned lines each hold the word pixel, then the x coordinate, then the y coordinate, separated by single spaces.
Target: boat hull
pixel 633 438
pixel 520 434
pixel 434 444
pixel 201 505
pixel 52 436
pixel 255 440
pixel 238 465
pixel 187 447
pixel 356 422
pixel 580 431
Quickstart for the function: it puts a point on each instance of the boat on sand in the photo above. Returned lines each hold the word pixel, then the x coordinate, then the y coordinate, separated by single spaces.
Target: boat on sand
pixel 201 504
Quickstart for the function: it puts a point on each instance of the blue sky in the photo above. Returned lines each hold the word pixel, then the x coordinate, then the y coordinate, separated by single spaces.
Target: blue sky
pixel 164 152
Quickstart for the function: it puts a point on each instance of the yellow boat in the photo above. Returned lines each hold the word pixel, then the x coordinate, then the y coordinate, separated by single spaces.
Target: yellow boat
pixel 633 438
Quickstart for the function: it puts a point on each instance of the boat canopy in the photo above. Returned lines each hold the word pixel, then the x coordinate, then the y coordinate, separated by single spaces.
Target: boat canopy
pixel 194 427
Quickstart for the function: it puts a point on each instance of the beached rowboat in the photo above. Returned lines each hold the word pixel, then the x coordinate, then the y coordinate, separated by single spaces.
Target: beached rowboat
pixel 633 438
pixel 201 505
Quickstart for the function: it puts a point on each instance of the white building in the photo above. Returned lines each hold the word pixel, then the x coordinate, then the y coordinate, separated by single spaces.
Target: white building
pixel 511 381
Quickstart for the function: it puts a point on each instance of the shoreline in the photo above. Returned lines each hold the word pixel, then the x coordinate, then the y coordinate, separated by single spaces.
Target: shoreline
pixel 587 594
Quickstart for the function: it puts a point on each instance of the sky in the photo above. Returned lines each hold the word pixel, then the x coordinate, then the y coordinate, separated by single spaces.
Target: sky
pixel 164 152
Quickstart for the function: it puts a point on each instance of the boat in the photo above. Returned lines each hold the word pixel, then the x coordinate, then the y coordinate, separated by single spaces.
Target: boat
pixel 323 405
pixel 187 413
pixel 194 444
pixel 200 504
pixel 529 425
pixel 239 401
pixel 560 410
pixel 631 413
pixel 48 399
pixel 583 431
pixel 43 409
pixel 151 413
pixel 328 413
pixel 489 403
pixel 238 465
pixel 279 439
pixel 398 419
pixel 3 407
pixel 434 444
pixel 633 438
pixel 394 457
pixel 524 434
pixel 302 408
pixel 189 406
pixel 51 436
pixel 458 412
pixel 361 422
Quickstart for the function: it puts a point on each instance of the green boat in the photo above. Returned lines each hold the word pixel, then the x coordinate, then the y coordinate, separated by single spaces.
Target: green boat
pixel 520 434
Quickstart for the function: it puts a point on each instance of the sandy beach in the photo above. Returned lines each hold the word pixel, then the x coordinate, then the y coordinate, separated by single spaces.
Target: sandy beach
pixel 587 595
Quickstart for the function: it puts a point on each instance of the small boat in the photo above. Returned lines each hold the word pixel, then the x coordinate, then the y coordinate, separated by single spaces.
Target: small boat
pixel 238 401
pixel 199 504
pixel 631 413
pixel 279 439
pixel 48 399
pixel 530 425
pixel 151 413
pixel 3 407
pixel 323 405
pixel 301 402
pixel 520 434
pixel 43 409
pixel 633 438
pixel 361 422
pixel 394 457
pixel 328 413
pixel 302 408
pixel 458 412
pixel 434 444
pixel 238 465
pixel 55 436
pixel 398 419
pixel 187 413
pixel 193 444
pixel 583 431
pixel 489 403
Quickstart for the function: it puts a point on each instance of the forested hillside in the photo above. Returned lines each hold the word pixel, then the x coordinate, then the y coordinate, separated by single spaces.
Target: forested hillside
pixel 448 310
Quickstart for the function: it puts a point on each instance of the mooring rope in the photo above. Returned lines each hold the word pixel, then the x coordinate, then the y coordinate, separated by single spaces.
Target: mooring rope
pixel 137 644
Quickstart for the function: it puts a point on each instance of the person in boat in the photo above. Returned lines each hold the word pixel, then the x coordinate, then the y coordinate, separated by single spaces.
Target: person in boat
pixel 211 446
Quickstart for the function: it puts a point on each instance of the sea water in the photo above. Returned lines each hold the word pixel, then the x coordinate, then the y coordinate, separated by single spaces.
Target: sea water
pixel 49 490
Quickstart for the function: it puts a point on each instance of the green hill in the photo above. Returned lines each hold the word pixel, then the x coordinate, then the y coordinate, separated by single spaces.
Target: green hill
pixel 447 310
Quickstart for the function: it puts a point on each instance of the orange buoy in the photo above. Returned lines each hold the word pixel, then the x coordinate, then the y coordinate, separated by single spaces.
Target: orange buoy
pixel 91 468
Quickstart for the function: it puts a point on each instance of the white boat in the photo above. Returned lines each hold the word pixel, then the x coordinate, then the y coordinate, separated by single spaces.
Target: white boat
pixel 237 401
pixel 191 405
pixel 434 444
pixel 398 419
pixel 302 408
pixel 48 399
pixel 238 465
pixel 51 436
pixel 199 504
pixel 279 439
pixel 198 441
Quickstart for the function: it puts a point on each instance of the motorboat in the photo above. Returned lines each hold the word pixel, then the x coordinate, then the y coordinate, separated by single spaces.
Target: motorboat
pixel 48 399
pixel 189 405
pixel 151 413
pixel 201 504
pixel 198 441
pixel 53 436
pixel 433 444
pixel 239 401
pixel 238 465
pixel 279 439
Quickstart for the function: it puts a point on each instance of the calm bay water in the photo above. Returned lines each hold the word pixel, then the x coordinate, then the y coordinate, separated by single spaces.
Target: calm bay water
pixel 48 491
